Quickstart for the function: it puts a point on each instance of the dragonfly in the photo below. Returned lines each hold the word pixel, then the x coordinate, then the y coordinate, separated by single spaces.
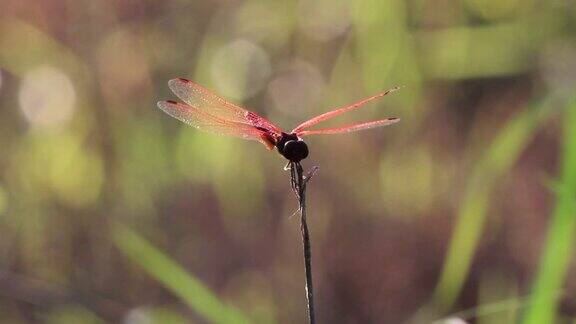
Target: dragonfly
pixel 206 111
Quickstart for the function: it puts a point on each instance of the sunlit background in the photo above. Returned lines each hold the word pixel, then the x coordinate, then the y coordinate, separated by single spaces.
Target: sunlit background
pixel 464 212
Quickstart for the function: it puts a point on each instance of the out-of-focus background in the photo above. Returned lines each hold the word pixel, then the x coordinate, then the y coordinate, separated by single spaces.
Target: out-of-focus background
pixel 112 211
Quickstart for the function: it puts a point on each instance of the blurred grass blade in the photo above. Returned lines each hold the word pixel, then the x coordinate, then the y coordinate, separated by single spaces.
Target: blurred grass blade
pixel 175 278
pixel 560 239
pixel 377 50
pixel 499 158
pixel 24 46
pixel 510 305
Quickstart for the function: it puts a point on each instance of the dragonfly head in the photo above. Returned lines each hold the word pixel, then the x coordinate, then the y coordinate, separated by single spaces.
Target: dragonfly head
pixel 292 148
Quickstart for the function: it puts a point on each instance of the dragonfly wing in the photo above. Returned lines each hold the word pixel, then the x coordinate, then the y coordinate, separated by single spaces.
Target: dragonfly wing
pixel 204 100
pixel 331 114
pixel 206 122
pixel 350 128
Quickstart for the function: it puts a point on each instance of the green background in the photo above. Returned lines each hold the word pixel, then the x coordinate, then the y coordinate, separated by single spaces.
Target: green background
pixel 112 211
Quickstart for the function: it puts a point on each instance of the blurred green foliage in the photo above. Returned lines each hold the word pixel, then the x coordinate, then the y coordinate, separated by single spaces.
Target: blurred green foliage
pixel 558 249
pixel 464 209
pixel 190 289
pixel 491 167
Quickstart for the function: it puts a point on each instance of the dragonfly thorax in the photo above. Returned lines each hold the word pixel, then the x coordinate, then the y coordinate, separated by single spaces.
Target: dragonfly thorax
pixel 292 148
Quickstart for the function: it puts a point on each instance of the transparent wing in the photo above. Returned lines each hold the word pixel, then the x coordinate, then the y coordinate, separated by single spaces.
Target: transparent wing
pixel 206 122
pixel 339 111
pixel 204 100
pixel 350 128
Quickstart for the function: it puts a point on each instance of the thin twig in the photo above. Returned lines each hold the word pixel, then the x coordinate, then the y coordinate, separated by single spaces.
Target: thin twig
pixel 298 182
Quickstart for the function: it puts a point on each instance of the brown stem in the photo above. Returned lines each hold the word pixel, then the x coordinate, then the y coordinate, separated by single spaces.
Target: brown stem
pixel 299 182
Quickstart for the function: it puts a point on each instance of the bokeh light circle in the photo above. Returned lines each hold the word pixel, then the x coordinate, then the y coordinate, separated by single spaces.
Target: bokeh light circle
pixel 296 88
pixel 47 97
pixel 240 69
pixel 323 20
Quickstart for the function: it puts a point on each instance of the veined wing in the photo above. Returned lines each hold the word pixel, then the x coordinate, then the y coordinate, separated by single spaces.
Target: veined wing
pixel 206 122
pixel 331 114
pixel 205 101
pixel 350 128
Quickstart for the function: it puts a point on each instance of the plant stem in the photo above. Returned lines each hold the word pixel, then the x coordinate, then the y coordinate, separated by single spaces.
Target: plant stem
pixel 298 182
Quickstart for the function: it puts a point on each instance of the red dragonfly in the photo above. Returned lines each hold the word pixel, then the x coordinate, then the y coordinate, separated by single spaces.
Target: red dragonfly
pixel 208 112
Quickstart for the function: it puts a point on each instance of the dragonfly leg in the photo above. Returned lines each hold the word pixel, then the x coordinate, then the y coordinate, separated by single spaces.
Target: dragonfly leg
pixel 295 212
pixel 310 174
pixel 294 179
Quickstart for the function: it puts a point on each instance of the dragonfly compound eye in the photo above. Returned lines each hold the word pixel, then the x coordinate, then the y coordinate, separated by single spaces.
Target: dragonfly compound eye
pixel 295 150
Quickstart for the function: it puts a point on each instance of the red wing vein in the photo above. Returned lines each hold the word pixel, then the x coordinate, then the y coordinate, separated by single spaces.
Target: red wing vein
pixel 331 114
pixel 204 100
pixel 206 122
pixel 350 128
